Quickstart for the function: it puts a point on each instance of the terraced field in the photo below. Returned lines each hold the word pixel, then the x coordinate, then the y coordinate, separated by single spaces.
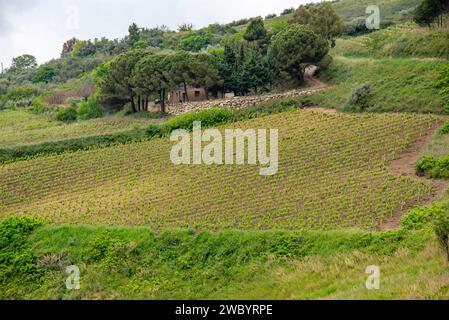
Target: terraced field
pixel 333 174
pixel 24 128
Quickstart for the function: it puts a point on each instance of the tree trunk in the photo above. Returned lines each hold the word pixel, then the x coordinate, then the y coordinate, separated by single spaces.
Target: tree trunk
pixel 146 104
pixel 185 90
pixel 301 77
pixel 138 104
pixel 163 101
pixel 133 105
pixel 206 93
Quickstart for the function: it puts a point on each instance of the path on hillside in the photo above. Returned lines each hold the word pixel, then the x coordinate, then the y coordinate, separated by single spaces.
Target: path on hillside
pixel 404 166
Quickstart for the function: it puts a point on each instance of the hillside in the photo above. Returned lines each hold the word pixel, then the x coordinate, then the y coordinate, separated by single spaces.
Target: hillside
pixel 402 41
pixel 87 179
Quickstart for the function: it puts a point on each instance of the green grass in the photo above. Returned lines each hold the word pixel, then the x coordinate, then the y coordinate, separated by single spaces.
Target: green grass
pixel 21 128
pixel 333 174
pixel 135 263
pixel 401 41
pixel 399 85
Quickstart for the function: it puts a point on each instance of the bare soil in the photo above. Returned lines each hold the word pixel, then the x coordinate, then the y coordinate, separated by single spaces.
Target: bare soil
pixel 404 166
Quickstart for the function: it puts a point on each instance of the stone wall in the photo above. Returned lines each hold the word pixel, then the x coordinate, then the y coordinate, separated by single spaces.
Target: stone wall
pixel 238 102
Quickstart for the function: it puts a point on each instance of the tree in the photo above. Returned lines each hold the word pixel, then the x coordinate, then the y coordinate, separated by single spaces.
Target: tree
pixel 24 62
pixel 205 71
pixel 118 80
pixel 256 70
pixel 431 11
pixel 297 47
pixel 44 74
pixel 68 46
pixel 151 75
pixel 185 27
pixel 256 30
pixel 181 69
pixel 134 35
pixel 321 19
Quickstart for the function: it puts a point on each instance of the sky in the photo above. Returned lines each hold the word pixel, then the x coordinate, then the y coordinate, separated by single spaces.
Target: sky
pixel 40 27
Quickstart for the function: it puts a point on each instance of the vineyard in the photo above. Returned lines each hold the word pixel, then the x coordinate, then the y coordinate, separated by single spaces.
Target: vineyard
pixel 333 174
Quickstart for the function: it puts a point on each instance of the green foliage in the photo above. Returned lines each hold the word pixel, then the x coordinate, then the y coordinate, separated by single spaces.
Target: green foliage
pixel 67 114
pixel 441 227
pixel 194 42
pixel 208 118
pixel 321 19
pixel 44 74
pixel 295 48
pixel 421 216
pixel 90 109
pixel 360 99
pixel 430 11
pixel 435 168
pixel 256 30
pixel 17 260
pixel 134 35
pixel 444 129
pixel 24 62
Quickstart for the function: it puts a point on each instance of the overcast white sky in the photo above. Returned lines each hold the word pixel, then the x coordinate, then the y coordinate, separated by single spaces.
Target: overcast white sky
pixel 40 27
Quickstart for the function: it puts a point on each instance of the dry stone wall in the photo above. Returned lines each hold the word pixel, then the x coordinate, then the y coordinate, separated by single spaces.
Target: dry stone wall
pixel 237 102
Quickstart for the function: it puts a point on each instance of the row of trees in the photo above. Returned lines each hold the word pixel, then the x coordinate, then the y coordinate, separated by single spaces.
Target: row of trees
pixel 139 76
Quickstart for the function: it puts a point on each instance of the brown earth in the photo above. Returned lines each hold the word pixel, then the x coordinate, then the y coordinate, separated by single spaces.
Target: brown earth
pixel 404 166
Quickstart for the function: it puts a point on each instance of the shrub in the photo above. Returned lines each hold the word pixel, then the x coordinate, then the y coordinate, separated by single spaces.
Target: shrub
pixel 153 131
pixel 16 258
pixel 67 115
pixel 90 109
pixel 433 168
pixel 207 117
pixel 441 227
pixel 360 99
pixel 445 129
pixel 421 216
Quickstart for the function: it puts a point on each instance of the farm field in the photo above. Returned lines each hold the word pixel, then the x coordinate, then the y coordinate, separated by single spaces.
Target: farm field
pixel 24 128
pixel 333 174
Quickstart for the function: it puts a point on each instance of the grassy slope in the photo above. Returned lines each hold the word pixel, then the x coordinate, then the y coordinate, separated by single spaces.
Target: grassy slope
pixel 405 40
pixel 24 128
pixel 400 85
pixel 350 10
pixel 123 263
pixel 332 174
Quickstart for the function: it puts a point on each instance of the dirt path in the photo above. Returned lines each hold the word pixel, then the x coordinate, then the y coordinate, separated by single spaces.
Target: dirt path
pixel 404 166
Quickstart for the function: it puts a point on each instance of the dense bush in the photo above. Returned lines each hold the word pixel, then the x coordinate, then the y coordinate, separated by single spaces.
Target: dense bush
pixel 441 227
pixel 90 109
pixel 208 118
pixel 360 99
pixel 67 115
pixel 433 168
pixel 421 216
pixel 16 257
pixel 444 129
